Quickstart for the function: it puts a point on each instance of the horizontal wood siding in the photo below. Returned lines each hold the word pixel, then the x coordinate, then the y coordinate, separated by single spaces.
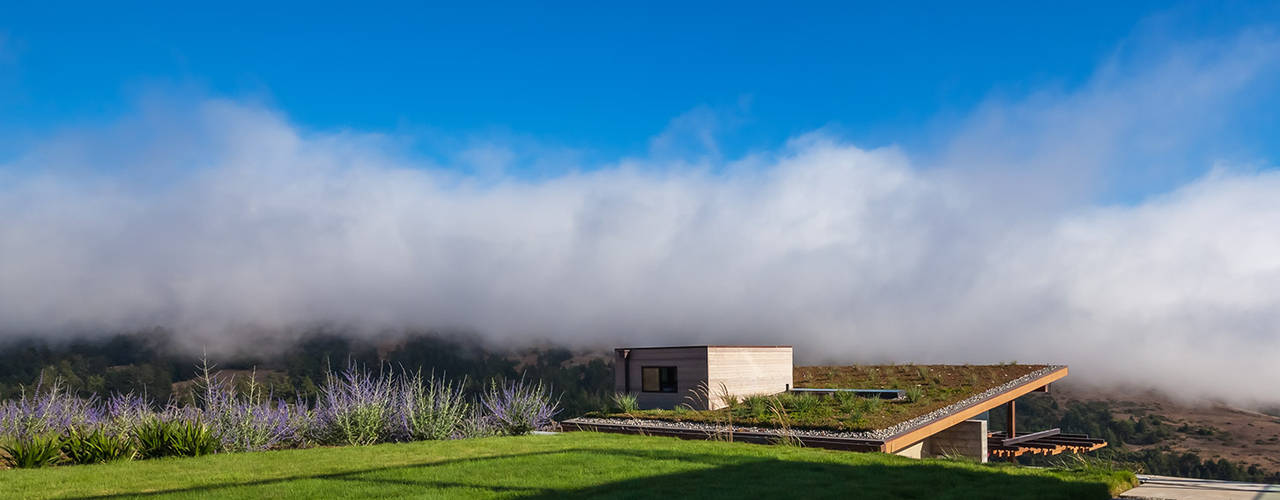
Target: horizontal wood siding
pixel 691 372
pixel 749 370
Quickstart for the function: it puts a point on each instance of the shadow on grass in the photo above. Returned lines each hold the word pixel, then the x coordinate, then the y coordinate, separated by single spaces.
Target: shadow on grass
pixel 763 477
pixel 719 476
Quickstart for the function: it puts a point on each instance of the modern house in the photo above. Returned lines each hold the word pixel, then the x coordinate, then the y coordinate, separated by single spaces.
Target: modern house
pixel 700 376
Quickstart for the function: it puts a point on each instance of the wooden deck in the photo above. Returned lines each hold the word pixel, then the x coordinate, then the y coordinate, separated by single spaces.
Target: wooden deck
pixel 1040 443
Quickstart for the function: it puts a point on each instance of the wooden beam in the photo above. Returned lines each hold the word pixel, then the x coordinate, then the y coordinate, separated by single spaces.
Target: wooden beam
pixel 1030 437
pixel 1011 419
pixel 910 437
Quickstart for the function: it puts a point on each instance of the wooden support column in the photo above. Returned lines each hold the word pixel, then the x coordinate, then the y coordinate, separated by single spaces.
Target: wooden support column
pixel 1010 426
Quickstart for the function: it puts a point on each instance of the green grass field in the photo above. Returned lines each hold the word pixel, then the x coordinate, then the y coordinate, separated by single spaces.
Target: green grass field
pixel 574 465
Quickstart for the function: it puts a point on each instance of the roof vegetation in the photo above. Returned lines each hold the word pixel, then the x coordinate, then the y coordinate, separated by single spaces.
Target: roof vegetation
pixel 926 388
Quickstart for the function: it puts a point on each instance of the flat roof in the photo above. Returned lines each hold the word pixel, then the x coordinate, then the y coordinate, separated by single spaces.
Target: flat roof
pixel 955 397
pixel 899 436
pixel 697 346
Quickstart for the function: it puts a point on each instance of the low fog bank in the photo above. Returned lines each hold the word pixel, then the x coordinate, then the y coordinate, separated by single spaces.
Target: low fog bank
pixel 226 223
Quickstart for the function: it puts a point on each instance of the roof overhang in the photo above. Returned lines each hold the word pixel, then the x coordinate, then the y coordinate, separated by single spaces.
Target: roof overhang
pixel 912 436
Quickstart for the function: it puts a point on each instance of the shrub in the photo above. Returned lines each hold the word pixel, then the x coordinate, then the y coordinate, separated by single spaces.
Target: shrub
pixel 354 409
pixel 518 408
pixel 32 451
pixel 429 408
pixel 681 410
pixel 97 446
pixel 477 424
pixel 626 402
pixel 914 394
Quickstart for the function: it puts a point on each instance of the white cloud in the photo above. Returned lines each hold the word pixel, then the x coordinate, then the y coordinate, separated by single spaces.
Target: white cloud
pixel 224 217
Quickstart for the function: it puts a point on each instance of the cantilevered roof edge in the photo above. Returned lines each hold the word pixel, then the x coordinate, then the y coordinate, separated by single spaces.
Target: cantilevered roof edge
pixel 911 436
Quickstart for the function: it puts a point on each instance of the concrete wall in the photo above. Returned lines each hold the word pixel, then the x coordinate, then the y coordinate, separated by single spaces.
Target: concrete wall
pixel 744 371
pixel 967 439
pixel 691 374
pixel 915 451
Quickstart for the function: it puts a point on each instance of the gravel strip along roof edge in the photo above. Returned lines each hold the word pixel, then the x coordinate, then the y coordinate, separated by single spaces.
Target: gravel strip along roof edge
pixel 922 420
pixel 877 434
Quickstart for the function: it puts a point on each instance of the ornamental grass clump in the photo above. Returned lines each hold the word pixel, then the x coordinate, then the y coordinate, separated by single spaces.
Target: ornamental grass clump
pixel 174 436
pixel 914 394
pixel 429 408
pixel 518 407
pixel 97 445
pixel 871 404
pixel 846 400
pixel 625 402
pixel 804 403
pixel 755 406
pixel 355 408
pixel 32 451
pixel 175 433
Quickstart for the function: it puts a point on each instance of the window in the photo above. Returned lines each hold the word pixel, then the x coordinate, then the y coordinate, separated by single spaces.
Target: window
pixel 658 379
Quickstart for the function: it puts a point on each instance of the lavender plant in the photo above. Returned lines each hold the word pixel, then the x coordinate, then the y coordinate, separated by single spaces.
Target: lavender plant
pixel 517 407
pixel 428 409
pixel 244 422
pixel 122 412
pixel 45 411
pixel 355 408
pixel 49 425
pixel 477 424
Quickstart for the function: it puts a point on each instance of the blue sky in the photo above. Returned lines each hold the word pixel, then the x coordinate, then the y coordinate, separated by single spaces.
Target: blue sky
pixel 600 79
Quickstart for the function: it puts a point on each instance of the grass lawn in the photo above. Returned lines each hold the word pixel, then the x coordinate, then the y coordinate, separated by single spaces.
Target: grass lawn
pixel 937 386
pixel 574 465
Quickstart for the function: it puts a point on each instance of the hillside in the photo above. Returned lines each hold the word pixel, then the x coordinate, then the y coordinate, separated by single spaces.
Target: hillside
pixel 1208 429
pixel 572 465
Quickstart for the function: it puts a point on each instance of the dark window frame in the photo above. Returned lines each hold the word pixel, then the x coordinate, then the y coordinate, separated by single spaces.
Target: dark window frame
pixel 666 384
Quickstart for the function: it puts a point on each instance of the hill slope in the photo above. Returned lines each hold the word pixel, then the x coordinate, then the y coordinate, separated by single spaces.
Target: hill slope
pixel 557 466
pixel 1208 429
